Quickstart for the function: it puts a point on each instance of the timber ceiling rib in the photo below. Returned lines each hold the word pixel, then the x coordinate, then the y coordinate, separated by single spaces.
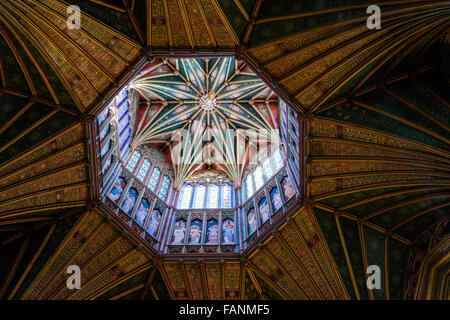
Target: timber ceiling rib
pixel 377 183
pixel 110 262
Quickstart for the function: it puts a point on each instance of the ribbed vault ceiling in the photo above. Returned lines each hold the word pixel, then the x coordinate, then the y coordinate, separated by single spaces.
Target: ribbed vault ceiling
pixel 211 113
pixel 374 102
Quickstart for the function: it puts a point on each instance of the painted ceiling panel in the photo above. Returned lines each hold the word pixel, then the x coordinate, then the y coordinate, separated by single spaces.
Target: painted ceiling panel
pixel 389 213
pixel 112 16
pixel 329 228
pixel 250 291
pixel 353 242
pixel 136 283
pixel 234 15
pixel 375 248
pixel 398 258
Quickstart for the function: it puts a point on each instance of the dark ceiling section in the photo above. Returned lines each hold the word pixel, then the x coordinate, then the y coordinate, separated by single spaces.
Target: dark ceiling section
pixel 406 109
pixel 316 52
pixel 127 17
pixel 26 246
pixel 35 105
pixel 380 225
pixel 147 285
pixel 420 52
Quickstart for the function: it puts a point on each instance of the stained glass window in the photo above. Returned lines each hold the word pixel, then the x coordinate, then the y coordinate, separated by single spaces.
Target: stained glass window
pixel 125 142
pixel 105 148
pixel 107 164
pixel 277 159
pixel 154 179
pixel 122 95
pixel 133 160
pixel 143 171
pixel 164 188
pixel 259 180
pixel 186 194
pixel 122 110
pixel 199 200
pixel 105 131
pixel 102 116
pixel 123 124
pixel 249 185
pixel 213 196
pixel 268 168
pixel 124 136
pixel 227 198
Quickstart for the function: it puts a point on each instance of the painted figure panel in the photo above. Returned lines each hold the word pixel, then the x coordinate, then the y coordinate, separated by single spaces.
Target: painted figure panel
pixel 212 232
pixel 179 231
pixel 251 221
pixel 275 197
pixel 142 212
pixel 153 224
pixel 228 231
pixel 195 233
pixel 130 200
pixel 117 189
pixel 264 210
pixel 287 188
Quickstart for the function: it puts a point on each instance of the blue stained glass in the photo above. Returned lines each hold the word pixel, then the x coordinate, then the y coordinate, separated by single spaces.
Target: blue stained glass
pixel 249 185
pixel 164 188
pixel 102 116
pixel 227 197
pixel 133 160
pixel 123 124
pixel 122 96
pixel 154 179
pixel 213 196
pixel 143 171
pixel 124 136
pixel 105 148
pixel 104 132
pixel 277 159
pixel 267 168
pixel 186 194
pixel 125 143
pixel 123 109
pixel 259 180
pixel 199 200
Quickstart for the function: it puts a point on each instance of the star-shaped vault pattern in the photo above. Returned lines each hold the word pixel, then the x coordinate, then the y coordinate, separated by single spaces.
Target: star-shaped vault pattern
pixel 220 108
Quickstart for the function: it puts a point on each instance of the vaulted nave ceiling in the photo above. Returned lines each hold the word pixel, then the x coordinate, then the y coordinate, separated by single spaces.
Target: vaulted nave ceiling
pixel 375 104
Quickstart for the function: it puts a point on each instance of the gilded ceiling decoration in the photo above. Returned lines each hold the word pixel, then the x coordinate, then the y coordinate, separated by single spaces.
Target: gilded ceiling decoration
pixel 374 125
